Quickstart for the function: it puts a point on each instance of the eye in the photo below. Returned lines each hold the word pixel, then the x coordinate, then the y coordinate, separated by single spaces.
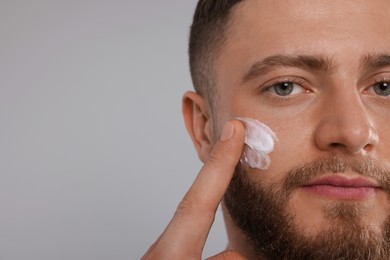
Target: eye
pixel 382 88
pixel 286 88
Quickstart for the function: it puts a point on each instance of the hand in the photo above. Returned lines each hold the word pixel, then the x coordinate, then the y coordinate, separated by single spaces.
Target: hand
pixel 186 234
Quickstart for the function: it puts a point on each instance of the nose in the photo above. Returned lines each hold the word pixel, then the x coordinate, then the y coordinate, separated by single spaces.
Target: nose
pixel 345 126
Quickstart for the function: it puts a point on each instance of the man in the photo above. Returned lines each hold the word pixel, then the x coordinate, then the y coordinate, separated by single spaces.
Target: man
pixel 318 74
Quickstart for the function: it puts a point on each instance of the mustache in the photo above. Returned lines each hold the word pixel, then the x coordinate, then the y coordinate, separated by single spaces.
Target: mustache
pixel 364 167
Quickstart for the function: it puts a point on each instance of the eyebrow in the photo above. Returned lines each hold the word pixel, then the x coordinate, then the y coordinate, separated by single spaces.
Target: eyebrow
pixel 371 62
pixel 307 62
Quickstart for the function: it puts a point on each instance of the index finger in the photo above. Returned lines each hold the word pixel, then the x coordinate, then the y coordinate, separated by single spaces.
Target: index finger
pixel 189 228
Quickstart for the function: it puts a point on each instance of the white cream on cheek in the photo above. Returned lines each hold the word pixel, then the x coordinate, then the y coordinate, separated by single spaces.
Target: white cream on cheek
pixel 260 141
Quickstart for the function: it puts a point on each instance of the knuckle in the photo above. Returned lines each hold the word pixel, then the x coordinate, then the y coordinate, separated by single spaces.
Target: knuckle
pixel 189 203
pixel 218 159
pixel 215 156
pixel 223 154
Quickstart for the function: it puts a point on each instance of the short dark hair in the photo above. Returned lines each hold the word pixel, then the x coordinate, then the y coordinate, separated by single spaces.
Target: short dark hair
pixel 207 35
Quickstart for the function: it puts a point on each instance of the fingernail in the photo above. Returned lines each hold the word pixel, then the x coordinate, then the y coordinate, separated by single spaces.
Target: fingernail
pixel 227 131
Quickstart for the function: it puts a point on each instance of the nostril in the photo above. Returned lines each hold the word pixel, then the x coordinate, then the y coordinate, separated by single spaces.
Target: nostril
pixel 336 145
pixel 368 148
pixel 365 150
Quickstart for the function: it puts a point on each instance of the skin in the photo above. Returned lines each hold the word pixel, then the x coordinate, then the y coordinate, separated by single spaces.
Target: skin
pixel 330 113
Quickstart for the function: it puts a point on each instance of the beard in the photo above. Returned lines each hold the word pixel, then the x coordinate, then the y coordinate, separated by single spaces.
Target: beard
pixel 262 216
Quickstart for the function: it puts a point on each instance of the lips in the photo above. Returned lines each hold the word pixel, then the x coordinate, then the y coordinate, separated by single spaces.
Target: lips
pixel 342 188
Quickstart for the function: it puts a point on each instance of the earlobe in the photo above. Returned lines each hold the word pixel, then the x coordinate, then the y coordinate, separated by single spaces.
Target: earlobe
pixel 196 113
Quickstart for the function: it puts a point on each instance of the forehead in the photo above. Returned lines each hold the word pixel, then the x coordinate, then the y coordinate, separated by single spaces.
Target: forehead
pixel 331 28
pixel 262 18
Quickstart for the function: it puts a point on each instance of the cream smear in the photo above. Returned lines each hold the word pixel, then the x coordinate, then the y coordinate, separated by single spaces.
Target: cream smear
pixel 260 141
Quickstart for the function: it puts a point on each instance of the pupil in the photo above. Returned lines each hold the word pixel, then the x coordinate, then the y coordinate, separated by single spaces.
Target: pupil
pixel 382 89
pixel 284 89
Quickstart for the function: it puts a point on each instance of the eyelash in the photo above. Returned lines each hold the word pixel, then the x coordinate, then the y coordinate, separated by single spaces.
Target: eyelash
pixel 378 81
pixel 301 83
pixel 383 80
pixel 297 81
pixel 265 89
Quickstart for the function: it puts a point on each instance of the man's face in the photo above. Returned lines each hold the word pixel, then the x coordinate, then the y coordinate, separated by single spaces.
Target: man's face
pixel 318 74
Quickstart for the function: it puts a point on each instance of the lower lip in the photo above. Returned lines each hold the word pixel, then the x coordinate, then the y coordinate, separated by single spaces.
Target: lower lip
pixel 341 193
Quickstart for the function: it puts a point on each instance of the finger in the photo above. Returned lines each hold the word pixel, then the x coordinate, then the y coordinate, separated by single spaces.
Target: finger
pixel 186 234
pixel 198 207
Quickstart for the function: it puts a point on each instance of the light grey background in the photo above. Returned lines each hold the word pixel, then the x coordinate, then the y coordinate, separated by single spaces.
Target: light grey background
pixel 94 155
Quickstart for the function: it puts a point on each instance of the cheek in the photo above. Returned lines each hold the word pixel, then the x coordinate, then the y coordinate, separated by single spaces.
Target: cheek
pixel 293 148
pixel 382 127
pixel 293 126
pixel 295 142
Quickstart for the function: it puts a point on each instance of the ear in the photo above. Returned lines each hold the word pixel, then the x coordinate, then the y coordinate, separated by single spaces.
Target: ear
pixel 198 120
